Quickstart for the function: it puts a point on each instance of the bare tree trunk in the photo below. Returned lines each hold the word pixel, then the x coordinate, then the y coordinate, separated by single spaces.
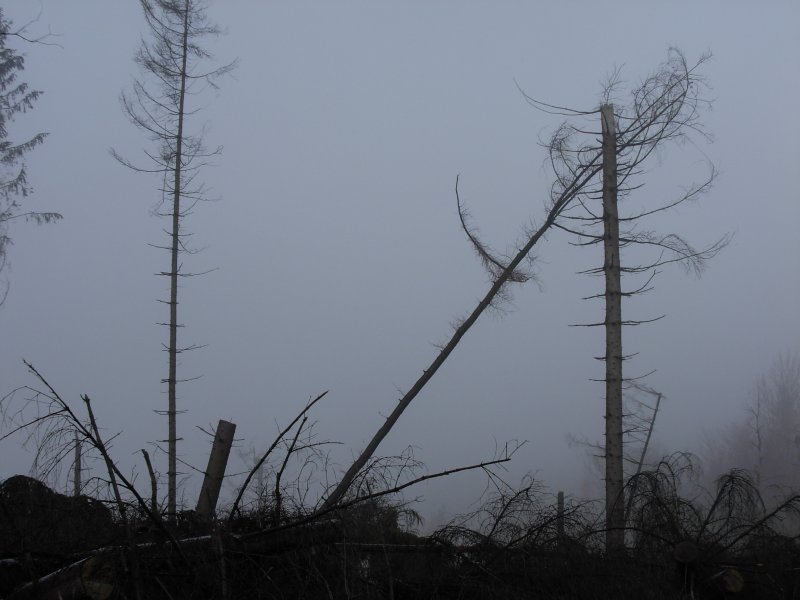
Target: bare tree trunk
pixel 76 474
pixel 215 471
pixel 153 483
pixel 93 578
pixel 172 450
pixel 642 458
pixel 640 465
pixel 157 105
pixel 663 108
pixel 615 507
pixel 581 179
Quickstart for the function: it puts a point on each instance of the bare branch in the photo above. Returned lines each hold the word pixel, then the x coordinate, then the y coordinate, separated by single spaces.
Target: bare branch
pixel 266 454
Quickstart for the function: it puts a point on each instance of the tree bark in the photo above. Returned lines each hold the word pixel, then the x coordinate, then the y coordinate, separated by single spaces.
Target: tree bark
pixel 172 443
pixel 215 472
pixel 615 507
pixel 581 178
pixel 76 473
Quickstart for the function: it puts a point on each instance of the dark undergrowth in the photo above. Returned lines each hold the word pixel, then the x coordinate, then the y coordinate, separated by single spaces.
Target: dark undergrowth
pixel 725 544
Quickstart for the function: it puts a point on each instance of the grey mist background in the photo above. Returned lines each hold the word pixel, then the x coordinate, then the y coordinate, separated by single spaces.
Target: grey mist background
pixel 340 260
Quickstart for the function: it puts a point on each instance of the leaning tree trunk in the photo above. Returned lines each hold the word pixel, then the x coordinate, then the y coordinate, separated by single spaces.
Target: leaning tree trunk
pixel 581 179
pixel 615 506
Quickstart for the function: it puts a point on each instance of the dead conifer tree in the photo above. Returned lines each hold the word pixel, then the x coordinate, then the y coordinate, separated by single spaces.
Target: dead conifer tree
pixel 665 106
pixel 172 62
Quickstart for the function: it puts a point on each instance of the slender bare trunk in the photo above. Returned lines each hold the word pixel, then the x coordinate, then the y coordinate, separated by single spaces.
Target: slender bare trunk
pixel 76 473
pixel 172 488
pixel 585 174
pixel 640 464
pixel 153 483
pixel 615 507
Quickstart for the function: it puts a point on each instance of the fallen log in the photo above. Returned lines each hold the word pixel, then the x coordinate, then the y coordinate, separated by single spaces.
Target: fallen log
pixel 90 578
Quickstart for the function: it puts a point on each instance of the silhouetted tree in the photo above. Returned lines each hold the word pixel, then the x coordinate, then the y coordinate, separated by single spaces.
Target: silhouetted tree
pixel 665 106
pixel 172 65
pixel 15 98
pixel 766 439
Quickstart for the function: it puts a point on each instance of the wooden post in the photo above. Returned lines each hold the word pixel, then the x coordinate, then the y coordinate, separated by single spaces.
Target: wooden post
pixel 217 461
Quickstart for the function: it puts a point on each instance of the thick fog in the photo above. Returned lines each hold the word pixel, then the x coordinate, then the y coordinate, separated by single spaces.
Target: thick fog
pixel 336 255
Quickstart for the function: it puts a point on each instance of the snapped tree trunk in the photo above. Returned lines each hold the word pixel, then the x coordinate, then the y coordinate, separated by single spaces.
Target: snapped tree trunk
pixel 664 107
pixel 615 506
pixel 215 472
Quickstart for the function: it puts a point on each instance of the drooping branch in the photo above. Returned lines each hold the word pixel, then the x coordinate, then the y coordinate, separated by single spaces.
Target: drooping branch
pixel 664 107
pixel 492 264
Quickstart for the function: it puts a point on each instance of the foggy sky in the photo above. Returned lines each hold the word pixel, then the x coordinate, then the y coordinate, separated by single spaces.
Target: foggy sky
pixel 339 258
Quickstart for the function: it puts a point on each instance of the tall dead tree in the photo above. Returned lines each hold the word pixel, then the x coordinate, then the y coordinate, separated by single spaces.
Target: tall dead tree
pixel 665 107
pixel 613 322
pixel 172 62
